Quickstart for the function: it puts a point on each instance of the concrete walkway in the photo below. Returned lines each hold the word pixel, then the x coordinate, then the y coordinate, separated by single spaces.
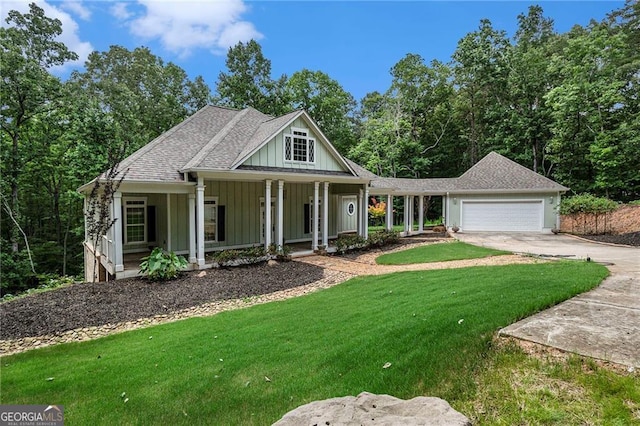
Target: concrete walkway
pixel 603 323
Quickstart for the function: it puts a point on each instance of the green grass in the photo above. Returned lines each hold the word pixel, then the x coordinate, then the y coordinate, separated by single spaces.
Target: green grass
pixel 515 388
pixel 440 252
pixel 434 327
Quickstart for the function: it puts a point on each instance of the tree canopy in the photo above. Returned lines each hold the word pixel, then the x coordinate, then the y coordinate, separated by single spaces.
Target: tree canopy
pixel 566 105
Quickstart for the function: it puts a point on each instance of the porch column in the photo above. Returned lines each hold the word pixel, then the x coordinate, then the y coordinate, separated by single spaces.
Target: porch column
pixel 421 214
pixel 200 217
pixel 325 216
pixel 192 228
pixel 314 231
pixel 406 215
pixel 280 215
pixel 389 214
pixel 118 258
pixel 267 214
pixel 360 204
pixel 444 211
pixel 365 213
pixel 168 222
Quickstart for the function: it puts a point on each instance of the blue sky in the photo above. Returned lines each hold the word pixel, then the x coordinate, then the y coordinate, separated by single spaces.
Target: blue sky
pixel 355 42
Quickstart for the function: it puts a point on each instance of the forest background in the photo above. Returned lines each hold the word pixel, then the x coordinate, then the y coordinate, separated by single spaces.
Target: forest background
pixel 566 105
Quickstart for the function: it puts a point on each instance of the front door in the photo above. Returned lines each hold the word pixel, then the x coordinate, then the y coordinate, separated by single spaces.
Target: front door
pixel 349 214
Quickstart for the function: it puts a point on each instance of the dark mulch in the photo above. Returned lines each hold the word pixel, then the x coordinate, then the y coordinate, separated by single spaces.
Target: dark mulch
pixel 629 239
pixel 93 304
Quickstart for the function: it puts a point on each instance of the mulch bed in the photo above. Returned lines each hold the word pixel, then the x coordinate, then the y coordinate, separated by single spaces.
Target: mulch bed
pixel 93 304
pixel 629 239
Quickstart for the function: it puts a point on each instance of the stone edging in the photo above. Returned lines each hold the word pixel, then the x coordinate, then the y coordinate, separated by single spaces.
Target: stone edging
pixel 8 347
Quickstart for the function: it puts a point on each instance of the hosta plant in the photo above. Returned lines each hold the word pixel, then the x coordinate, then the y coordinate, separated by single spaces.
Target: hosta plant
pixel 162 265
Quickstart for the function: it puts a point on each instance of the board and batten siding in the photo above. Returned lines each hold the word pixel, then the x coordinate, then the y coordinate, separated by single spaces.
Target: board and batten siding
pixel 242 211
pixel 548 206
pixel 272 154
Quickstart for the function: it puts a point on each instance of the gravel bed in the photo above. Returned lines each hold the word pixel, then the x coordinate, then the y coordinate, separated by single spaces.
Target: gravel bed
pixel 94 304
pixel 629 239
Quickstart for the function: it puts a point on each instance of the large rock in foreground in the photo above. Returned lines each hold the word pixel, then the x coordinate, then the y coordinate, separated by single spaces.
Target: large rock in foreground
pixel 370 409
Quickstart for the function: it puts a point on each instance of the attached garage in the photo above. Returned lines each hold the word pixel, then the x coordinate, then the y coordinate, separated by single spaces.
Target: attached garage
pixel 500 215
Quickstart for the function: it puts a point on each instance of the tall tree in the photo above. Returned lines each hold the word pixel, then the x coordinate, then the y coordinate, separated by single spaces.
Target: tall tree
pixel 327 102
pixel 526 127
pixel 248 82
pixel 595 131
pixel 145 95
pixel 480 72
pixel 28 49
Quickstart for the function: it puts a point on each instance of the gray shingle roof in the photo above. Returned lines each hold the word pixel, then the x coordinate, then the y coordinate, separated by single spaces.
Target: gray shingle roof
pixel 214 138
pixel 492 173
pixel 497 172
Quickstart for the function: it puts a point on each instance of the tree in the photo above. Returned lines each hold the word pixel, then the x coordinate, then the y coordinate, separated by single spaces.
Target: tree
pixel 248 82
pixel 142 93
pixel 327 102
pixel 29 49
pixel 595 129
pixel 480 73
pixel 526 128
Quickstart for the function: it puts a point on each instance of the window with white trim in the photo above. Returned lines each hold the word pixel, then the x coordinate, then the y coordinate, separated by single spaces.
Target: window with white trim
pixel 135 220
pixel 210 219
pixel 299 147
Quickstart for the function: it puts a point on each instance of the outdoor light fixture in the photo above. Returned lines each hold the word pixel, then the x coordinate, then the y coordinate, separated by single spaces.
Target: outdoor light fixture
pixel 455 200
pixel 551 200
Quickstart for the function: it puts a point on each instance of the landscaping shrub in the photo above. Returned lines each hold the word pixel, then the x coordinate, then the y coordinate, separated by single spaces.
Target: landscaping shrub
pixel 162 265
pixel 381 238
pixel 235 257
pixel 586 207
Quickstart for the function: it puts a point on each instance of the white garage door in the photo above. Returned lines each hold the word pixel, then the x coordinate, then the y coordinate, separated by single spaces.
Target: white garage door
pixel 501 216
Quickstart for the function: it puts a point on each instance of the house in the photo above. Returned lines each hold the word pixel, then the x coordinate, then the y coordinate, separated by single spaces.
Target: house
pixel 227 178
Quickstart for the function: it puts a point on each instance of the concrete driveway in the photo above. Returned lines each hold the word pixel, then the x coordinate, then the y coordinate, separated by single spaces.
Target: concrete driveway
pixel 603 323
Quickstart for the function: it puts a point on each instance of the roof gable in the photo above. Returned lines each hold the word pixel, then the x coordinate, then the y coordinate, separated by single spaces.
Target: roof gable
pixel 495 172
pixel 272 128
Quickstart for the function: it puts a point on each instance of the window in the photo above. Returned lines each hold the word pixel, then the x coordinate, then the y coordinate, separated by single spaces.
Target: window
pixel 210 218
pixel 351 208
pixel 299 147
pixel 135 220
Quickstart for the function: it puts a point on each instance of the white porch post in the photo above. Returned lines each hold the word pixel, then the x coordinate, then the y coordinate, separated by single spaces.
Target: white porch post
pixel 406 215
pixel 325 216
pixel 444 210
pixel 389 214
pixel 267 214
pixel 365 213
pixel 118 257
pixel 360 204
pixel 280 215
pixel 192 228
pixel 168 222
pixel 421 214
pixel 200 217
pixel 314 231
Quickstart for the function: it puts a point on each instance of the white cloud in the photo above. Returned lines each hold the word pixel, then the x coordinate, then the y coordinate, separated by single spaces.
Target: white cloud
pixel 184 26
pixel 77 8
pixel 120 11
pixel 70 28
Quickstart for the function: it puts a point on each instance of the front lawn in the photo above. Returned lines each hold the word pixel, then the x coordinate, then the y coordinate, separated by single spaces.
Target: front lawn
pixel 251 366
pixel 440 252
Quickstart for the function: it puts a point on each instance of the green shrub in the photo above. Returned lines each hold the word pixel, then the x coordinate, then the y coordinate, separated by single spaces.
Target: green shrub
pixel 227 256
pixel 162 265
pixel 348 242
pixel 587 203
pixel 383 238
pixel 634 203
